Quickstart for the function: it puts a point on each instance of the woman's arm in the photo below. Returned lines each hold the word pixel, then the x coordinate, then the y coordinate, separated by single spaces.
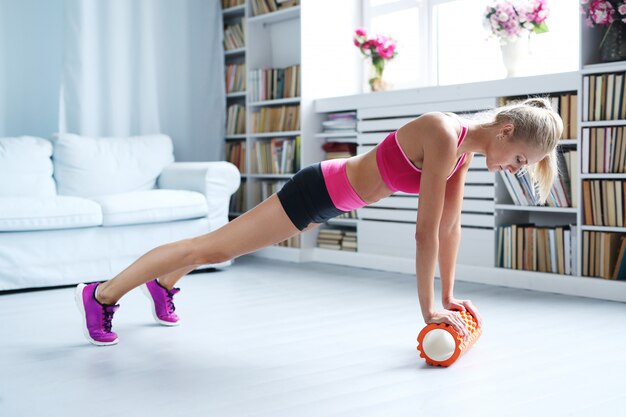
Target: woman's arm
pixel 450 230
pixel 438 138
pixel 449 240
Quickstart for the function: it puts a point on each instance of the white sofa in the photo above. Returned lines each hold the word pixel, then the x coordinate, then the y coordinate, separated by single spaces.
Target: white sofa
pixel 76 209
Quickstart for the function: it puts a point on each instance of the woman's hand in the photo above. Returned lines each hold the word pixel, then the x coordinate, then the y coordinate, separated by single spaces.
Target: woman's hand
pixel 453 318
pixel 463 305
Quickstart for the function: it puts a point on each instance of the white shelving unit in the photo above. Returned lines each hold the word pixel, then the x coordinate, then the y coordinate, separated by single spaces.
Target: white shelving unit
pixel 230 16
pixel 280 39
pixel 390 245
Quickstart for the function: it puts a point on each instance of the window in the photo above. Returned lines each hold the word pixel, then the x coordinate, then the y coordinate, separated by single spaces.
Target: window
pixel 400 20
pixel 443 42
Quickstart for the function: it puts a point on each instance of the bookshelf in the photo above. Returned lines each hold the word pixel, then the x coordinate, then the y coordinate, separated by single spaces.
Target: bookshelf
pixel 234 20
pixel 603 168
pixel 277 105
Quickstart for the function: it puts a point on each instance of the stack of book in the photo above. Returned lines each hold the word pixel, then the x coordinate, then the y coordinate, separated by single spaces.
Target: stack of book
pixel 603 203
pixel 603 255
pixel 276 156
pixel 340 122
pixel 236 120
pixel 565 104
pixel 262 190
pixel 235 78
pixel 238 201
pixel 330 238
pixel 348 243
pixel 268 6
pixel 236 154
pixel 276 119
pixel 604 150
pixel 227 4
pixel 337 239
pixel 336 150
pixel 234 35
pixel 567 107
pixel 347 215
pixel 275 83
pixel 563 192
pixel 534 248
pixel 604 95
pixel 292 242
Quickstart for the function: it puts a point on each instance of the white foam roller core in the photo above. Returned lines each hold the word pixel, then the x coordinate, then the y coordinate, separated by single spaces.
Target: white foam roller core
pixel 438 345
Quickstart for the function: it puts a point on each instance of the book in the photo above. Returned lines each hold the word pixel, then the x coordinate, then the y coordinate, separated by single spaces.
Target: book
pixel 585 253
pixel 573 157
pixel 608 99
pixel 597 111
pixel 574 248
pixel 573 120
pixel 619 271
pixel 585 102
pixel 618 96
pixel 567 251
pixel 564 111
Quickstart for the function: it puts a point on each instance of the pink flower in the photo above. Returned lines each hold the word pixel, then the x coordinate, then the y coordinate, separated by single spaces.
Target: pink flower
pixel 510 19
pixel 601 12
pixel 377 48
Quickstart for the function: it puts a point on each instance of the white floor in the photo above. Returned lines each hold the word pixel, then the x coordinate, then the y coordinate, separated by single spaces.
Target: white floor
pixel 264 338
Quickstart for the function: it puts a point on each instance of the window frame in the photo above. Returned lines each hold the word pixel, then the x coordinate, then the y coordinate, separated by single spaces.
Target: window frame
pixel 427 31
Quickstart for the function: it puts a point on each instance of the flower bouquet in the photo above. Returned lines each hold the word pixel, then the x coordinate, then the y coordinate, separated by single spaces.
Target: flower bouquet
pixel 612 14
pixel 510 20
pixel 379 49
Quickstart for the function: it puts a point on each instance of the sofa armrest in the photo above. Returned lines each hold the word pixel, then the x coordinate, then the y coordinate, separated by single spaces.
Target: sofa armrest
pixel 216 180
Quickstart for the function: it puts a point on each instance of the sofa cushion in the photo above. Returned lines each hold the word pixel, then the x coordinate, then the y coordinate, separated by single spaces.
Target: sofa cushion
pixel 47 213
pixel 87 166
pixel 25 167
pixel 152 206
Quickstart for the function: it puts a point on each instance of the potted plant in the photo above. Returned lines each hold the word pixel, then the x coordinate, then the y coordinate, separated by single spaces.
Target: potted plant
pixel 512 22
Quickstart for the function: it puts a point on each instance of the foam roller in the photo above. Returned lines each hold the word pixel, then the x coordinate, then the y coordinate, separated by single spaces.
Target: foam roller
pixel 440 345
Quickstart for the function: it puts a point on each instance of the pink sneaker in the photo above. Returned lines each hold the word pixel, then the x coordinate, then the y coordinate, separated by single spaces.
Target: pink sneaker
pixel 162 301
pixel 96 316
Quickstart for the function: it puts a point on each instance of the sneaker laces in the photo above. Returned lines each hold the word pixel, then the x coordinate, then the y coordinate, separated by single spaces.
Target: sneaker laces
pixel 170 299
pixel 107 317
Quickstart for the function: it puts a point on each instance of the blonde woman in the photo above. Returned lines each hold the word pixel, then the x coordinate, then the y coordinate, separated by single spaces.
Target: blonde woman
pixel 428 156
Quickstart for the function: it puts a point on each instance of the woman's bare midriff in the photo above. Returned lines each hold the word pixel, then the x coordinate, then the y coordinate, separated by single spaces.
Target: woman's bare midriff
pixel 365 178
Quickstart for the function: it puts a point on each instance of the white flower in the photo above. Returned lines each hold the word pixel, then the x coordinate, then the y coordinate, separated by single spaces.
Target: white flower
pixel 503 17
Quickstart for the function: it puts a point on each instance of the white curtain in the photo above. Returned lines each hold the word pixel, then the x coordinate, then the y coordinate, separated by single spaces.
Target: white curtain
pixel 135 67
pixel 31 45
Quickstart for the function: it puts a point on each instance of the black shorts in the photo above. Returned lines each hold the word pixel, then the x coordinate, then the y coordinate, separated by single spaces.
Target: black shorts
pixel 305 198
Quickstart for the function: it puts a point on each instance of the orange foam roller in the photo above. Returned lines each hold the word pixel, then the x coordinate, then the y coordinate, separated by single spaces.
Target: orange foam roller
pixel 440 345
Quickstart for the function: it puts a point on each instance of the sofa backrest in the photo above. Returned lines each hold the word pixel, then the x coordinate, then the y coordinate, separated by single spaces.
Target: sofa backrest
pixel 87 166
pixel 25 167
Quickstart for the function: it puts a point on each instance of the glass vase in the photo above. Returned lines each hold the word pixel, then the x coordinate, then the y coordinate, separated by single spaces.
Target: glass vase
pixel 376 81
pixel 613 44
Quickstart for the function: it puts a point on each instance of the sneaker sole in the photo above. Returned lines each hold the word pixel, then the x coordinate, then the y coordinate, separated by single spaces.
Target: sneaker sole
pixel 146 292
pixel 78 298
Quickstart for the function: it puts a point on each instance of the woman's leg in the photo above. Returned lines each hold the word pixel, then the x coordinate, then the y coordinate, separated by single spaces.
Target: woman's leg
pixel 264 225
pixel 170 280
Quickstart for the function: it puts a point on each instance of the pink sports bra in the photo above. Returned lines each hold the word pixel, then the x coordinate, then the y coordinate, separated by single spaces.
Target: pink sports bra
pixel 397 170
